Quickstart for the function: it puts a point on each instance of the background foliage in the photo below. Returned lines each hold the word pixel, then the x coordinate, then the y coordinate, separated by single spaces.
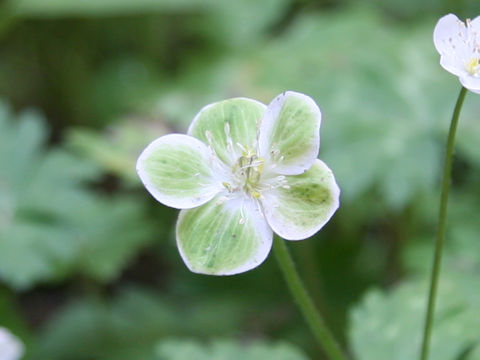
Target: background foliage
pixel 88 263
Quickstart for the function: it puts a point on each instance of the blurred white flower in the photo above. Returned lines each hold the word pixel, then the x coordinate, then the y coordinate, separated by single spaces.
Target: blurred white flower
pixel 11 348
pixel 459 46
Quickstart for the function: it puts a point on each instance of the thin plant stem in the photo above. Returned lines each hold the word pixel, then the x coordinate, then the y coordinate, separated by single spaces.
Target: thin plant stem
pixel 322 333
pixel 442 217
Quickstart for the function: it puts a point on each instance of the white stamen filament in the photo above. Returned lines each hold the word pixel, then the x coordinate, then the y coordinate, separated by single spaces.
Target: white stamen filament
pixel 221 200
pixel 242 147
pixel 242 216
pixel 228 137
pixel 209 137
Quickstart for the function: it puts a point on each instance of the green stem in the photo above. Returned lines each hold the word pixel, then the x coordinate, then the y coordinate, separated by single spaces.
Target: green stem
pixel 304 301
pixel 442 217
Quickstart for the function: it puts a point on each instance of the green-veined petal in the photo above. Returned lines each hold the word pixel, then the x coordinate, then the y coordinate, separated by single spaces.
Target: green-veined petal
pixel 289 133
pixel 223 237
pixel 178 170
pixel 235 118
pixel 301 208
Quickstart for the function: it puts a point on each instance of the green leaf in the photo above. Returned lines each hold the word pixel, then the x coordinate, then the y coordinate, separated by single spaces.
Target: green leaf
pixel 174 349
pixel 472 353
pixel 116 149
pixel 51 224
pixel 461 239
pixel 227 21
pixel 109 233
pixel 129 325
pixel 390 325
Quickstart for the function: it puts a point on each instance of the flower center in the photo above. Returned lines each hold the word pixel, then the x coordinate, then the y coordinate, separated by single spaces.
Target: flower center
pixel 247 172
pixel 473 67
pixel 249 177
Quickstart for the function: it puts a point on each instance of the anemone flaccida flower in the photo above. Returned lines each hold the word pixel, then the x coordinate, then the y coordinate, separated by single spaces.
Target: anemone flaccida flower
pixel 243 171
pixel 458 43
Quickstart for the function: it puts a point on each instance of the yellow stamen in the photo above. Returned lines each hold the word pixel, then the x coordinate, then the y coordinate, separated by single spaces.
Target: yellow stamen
pixel 228 186
pixel 255 194
pixel 473 66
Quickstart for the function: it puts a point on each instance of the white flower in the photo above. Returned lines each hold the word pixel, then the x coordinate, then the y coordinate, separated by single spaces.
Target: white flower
pixel 459 46
pixel 10 347
pixel 243 170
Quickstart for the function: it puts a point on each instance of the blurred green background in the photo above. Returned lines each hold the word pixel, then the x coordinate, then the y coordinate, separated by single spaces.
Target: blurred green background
pixel 89 269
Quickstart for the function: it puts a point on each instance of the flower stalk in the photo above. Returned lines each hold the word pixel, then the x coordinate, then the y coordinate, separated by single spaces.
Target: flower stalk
pixel 442 218
pixel 314 319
